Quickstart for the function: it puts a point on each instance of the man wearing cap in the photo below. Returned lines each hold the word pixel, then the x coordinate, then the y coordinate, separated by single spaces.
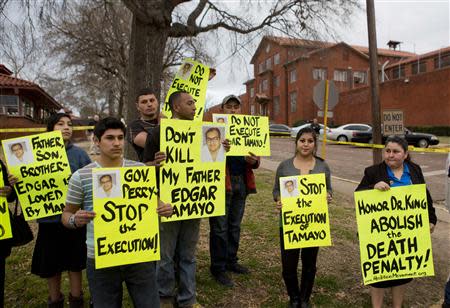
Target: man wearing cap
pixel 225 230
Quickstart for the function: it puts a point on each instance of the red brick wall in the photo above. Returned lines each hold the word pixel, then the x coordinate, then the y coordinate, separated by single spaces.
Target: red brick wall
pixel 424 99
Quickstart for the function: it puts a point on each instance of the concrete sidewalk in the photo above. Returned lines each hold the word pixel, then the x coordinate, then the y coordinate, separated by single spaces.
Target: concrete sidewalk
pixel 347 187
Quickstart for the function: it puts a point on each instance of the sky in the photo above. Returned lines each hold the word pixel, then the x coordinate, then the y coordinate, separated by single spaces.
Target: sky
pixel 421 26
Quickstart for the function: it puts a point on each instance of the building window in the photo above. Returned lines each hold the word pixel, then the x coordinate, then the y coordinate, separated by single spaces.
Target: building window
pixel 359 77
pixel 28 108
pixel 319 73
pixel 292 76
pixel 265 84
pixel 442 60
pixel 420 67
pixel 269 63
pixel 252 92
pixel 340 75
pixel 398 72
pixel 260 87
pixel 9 105
pixel 252 109
pixel 267 48
pixel 276 105
pixel 293 101
pixel 276 59
pixel 262 67
pixel 276 81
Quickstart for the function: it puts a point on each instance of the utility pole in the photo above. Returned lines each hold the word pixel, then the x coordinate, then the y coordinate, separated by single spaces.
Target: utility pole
pixel 374 86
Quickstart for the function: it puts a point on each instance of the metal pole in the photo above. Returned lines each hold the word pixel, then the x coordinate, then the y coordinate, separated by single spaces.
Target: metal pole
pixel 325 114
pixel 375 90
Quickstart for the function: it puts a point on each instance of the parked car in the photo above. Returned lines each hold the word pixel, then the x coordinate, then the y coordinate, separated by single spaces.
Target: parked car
pixel 420 140
pixel 279 129
pixel 346 132
pixel 296 129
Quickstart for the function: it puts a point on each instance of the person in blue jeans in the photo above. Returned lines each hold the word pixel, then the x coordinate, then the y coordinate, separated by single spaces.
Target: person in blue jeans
pixel 225 230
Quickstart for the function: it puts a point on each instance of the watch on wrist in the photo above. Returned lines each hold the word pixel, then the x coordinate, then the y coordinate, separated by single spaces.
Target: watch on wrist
pixel 72 223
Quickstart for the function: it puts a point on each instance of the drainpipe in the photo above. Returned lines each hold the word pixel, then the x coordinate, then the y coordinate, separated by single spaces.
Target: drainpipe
pixel 382 70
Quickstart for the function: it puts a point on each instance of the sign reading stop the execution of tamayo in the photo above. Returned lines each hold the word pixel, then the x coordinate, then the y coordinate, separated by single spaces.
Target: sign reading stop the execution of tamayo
pixel 5 222
pixel 192 77
pixel 394 233
pixel 126 228
pixel 304 215
pixel 246 134
pixel 192 179
pixel 40 163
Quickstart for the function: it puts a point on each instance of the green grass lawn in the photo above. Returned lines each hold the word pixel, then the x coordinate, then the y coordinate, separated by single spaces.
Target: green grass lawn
pixel 338 282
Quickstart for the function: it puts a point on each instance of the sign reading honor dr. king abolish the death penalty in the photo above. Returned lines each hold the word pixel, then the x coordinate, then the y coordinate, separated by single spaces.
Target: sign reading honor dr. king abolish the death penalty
pixel 40 163
pixel 192 179
pixel 126 228
pixel 304 215
pixel 246 133
pixel 394 233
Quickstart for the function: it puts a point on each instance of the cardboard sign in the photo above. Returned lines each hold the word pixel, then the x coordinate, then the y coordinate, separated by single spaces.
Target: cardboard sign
pixel 246 134
pixel 394 233
pixel 304 214
pixel 192 178
pixel 40 162
pixel 192 77
pixel 5 222
pixel 126 228
pixel 393 122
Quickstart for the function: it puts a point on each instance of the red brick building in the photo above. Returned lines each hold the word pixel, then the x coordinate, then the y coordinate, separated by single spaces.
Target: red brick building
pixel 22 103
pixel 286 71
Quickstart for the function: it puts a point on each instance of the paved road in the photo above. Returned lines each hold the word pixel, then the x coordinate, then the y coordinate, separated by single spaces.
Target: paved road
pixel 348 162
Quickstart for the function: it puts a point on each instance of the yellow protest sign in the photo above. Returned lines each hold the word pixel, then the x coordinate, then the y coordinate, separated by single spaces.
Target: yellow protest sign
pixel 126 228
pixel 394 233
pixel 40 163
pixel 192 77
pixel 192 178
pixel 246 133
pixel 304 214
pixel 5 222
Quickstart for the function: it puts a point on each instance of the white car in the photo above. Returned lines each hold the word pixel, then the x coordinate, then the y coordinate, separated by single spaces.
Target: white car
pixel 296 129
pixel 345 132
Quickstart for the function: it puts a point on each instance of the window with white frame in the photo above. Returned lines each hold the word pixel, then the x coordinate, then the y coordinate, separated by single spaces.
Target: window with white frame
pixel 9 105
pixel 293 101
pixel 359 77
pixel 262 67
pixel 319 73
pixel 28 108
pixel 292 75
pixel 276 105
pixel 265 84
pixel 340 75
pixel 276 81
pixel 276 59
pixel 269 63
pixel 252 92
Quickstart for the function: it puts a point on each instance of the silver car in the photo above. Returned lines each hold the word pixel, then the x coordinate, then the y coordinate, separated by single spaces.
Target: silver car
pixel 346 132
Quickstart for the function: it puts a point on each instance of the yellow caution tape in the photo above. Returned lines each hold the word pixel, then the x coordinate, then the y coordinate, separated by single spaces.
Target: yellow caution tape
pixel 38 129
pixel 381 146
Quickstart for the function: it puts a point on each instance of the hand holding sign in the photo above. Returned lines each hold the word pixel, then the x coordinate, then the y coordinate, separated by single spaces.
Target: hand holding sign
pixel 164 209
pixel 82 217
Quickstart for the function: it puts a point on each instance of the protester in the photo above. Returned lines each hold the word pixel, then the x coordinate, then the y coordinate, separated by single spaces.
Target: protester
pixel 397 169
pixel 105 284
pixel 446 303
pixel 148 107
pixel 304 162
pixel 5 245
pixel 178 238
pixel 69 254
pixel 225 230
pixel 315 126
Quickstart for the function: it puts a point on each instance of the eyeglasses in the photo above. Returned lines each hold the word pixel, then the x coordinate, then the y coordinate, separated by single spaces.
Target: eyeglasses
pixel 213 139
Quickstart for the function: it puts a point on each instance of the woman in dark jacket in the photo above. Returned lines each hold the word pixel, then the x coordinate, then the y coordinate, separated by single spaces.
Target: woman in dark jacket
pixel 397 169
pixel 5 245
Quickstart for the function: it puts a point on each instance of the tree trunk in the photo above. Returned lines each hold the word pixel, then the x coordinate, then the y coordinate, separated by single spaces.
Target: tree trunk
pixel 147 47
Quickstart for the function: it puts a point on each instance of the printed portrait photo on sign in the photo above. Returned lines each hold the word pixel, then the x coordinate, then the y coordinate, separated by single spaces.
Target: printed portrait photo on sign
pixel 108 185
pixel 289 188
pixel 212 148
pixel 185 70
pixel 220 119
pixel 19 152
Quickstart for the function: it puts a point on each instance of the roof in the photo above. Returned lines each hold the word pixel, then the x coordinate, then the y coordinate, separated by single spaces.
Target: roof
pixel 422 56
pixel 294 42
pixel 7 81
pixel 5 70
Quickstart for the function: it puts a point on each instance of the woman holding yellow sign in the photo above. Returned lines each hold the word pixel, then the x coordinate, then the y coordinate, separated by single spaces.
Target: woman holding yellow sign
pixel 304 162
pixel 396 170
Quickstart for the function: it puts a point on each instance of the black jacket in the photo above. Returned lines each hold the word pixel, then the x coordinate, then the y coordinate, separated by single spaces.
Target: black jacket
pixel 377 173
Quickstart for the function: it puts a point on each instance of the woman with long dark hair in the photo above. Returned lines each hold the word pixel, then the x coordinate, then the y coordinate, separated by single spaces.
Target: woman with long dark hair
pixel 304 162
pixel 397 169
